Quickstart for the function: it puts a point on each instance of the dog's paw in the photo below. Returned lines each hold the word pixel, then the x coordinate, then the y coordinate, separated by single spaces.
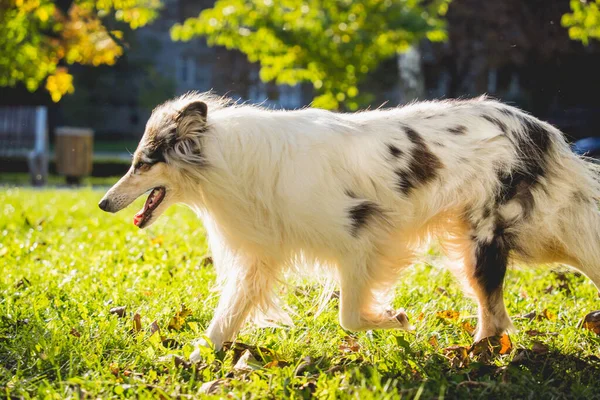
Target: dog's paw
pixel 196 355
pixel 402 318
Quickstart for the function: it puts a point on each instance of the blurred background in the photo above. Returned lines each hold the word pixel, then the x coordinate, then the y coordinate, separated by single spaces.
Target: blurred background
pixel 79 78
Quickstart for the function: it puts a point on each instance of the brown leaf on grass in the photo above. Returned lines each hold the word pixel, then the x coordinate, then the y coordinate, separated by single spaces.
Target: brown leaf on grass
pixel 486 348
pixel 276 364
pixel 530 315
pixel 434 342
pixel 533 332
pixel 75 332
pixel 448 314
pixel 458 356
pixel 592 322
pixel 118 311
pixel 114 369
pixel 238 348
pixel 154 327
pixel 442 291
pixel 349 345
pixel 137 322
pixel 468 327
pixel 247 363
pixel 178 320
pixel 216 386
pixel 539 348
pixel 547 314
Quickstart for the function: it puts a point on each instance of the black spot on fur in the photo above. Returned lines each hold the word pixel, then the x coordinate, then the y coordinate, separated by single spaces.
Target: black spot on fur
pixel 404 183
pixel 422 167
pixel 394 151
pixel 518 182
pixel 507 111
pixel 458 130
pixel 501 125
pixel 491 259
pixel 155 151
pixel 360 215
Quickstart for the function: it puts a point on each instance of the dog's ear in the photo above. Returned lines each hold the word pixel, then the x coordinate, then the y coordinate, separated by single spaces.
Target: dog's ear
pixel 191 125
pixel 196 109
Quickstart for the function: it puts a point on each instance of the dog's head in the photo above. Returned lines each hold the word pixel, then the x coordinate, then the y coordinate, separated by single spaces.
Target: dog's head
pixel 172 141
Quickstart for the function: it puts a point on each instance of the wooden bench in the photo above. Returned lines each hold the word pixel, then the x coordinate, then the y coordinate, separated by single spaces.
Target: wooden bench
pixel 24 135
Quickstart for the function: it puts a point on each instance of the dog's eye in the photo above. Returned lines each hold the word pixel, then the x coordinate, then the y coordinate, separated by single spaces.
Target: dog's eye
pixel 139 165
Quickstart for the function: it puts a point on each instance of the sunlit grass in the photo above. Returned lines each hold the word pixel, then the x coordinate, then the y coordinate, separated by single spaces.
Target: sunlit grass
pixel 65 264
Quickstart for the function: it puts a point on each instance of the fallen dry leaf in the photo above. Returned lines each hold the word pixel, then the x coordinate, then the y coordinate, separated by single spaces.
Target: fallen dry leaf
pixel 137 322
pixel 114 369
pixel 549 315
pixel 349 345
pixel 118 311
pixel 539 348
pixel 448 314
pixel 178 319
pixel 238 348
pixel 75 332
pixel 276 364
pixel 468 327
pixel 214 387
pixel 486 348
pixel 458 356
pixel 530 315
pixel 533 332
pixel 154 327
pixel 247 363
pixel 592 322
pixel 434 342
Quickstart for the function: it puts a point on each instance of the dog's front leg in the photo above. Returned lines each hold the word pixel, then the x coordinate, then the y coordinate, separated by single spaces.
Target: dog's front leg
pixel 360 309
pixel 246 287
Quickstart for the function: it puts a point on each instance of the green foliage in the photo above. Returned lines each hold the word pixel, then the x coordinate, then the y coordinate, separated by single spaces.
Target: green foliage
pixel 584 20
pixel 333 44
pixel 66 264
pixel 38 40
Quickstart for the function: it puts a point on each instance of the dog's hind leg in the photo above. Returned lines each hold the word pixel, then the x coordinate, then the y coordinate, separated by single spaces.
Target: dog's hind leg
pixel 485 259
pixel 577 240
pixel 364 294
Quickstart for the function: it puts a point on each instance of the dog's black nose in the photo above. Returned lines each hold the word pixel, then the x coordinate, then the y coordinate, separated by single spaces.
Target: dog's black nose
pixel 103 204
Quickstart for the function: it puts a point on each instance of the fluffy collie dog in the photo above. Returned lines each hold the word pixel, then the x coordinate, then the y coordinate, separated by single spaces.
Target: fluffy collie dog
pixel 357 194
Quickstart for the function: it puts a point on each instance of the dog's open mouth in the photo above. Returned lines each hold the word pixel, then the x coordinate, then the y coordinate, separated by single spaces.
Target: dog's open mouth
pixel 154 199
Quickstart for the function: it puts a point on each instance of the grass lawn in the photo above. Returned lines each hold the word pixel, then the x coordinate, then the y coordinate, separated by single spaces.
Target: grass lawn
pixel 65 265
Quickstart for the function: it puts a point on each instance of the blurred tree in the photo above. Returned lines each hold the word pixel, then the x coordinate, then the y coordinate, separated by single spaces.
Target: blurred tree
pixel 583 21
pixel 40 38
pixel 333 44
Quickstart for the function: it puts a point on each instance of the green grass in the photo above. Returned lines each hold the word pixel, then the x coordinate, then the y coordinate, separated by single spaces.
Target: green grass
pixel 65 264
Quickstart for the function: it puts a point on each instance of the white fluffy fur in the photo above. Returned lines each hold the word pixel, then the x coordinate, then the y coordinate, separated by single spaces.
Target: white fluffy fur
pixel 275 188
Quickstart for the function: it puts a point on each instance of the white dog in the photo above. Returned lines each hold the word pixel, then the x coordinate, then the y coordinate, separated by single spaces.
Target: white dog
pixel 357 193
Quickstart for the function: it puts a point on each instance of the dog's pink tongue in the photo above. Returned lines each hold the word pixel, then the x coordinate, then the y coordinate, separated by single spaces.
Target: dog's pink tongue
pixel 137 218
